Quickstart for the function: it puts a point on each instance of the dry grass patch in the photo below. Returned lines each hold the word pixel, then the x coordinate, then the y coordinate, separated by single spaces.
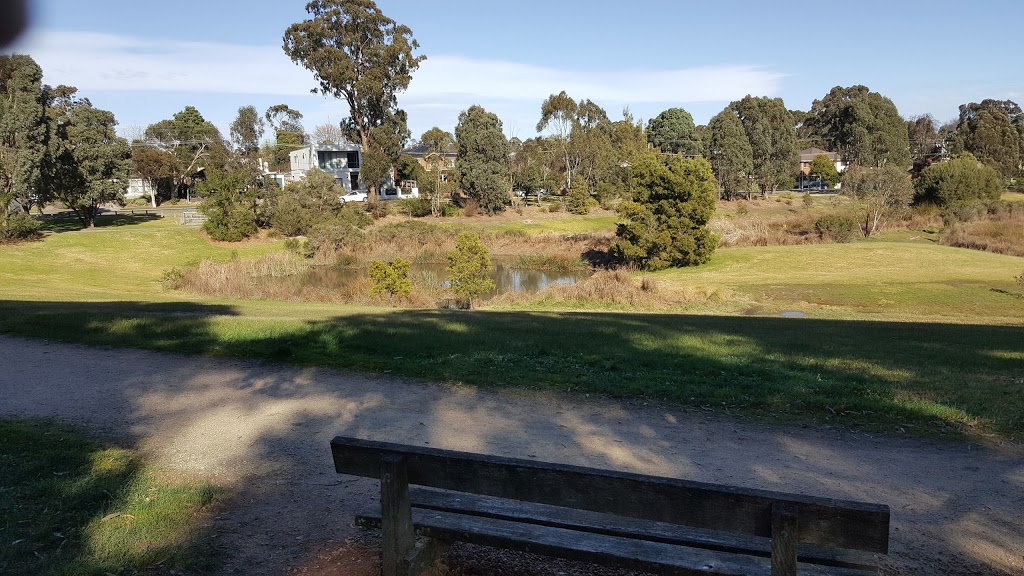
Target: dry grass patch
pixel 1002 233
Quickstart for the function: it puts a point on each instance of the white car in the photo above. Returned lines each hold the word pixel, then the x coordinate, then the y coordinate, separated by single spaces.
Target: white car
pixel 353 196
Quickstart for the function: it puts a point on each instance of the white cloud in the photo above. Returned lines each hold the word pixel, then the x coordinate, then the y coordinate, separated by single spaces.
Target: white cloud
pixel 443 86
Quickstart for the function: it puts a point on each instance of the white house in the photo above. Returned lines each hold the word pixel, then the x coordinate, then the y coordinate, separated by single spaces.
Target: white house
pixel 341 161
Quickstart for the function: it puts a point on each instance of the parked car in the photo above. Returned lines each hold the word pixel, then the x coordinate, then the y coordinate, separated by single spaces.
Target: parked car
pixel 353 196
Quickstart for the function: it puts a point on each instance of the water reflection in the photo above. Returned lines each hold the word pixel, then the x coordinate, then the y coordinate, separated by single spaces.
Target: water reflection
pixel 506 278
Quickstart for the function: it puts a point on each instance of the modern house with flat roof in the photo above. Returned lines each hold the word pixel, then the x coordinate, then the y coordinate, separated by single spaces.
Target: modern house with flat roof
pixel 341 161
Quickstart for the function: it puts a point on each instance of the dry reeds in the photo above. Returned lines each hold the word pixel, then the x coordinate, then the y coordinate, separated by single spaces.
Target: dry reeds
pixel 611 288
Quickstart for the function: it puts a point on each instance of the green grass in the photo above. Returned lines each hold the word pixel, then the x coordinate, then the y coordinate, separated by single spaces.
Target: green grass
pixel 1013 196
pixel 937 378
pixel 73 506
pixel 901 333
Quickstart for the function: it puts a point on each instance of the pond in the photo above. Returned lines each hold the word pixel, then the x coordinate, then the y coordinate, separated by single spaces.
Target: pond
pixel 506 278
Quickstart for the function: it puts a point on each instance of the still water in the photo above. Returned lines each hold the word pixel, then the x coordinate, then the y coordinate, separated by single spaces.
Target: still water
pixel 506 278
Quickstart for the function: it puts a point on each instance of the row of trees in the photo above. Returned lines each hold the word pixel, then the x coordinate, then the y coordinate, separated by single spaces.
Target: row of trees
pixel 54 146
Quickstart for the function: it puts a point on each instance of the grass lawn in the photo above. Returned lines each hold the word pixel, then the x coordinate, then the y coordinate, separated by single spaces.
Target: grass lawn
pixel 901 334
pixel 70 505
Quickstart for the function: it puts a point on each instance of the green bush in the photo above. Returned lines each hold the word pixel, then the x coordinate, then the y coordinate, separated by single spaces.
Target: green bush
pixel 555 206
pixel 837 227
pixel 414 207
pixel 578 201
pixel 17 227
pixel 450 210
pixel 378 209
pixel 469 267
pixel 391 278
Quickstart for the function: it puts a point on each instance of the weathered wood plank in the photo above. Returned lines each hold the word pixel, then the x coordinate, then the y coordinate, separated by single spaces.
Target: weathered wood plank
pixel 612 525
pixel 612 551
pixel 824 521
pixel 785 534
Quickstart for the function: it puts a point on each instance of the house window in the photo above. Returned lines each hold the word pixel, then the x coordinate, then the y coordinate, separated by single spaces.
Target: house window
pixel 332 161
pixel 353 159
pixel 354 177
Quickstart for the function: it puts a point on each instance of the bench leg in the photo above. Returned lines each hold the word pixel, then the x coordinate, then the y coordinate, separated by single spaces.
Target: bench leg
pixel 396 517
pixel 785 536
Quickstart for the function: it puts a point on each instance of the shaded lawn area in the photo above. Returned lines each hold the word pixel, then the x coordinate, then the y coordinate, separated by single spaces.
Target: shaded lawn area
pixel 70 505
pixel 919 378
pixel 73 224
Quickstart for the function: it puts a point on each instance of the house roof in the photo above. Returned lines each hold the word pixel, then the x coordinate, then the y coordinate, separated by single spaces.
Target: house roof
pixel 421 150
pixel 808 154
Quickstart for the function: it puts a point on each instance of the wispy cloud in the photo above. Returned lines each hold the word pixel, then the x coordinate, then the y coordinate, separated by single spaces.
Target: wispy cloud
pixel 443 86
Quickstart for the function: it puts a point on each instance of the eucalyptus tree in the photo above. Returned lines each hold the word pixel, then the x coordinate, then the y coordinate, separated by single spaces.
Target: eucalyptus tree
pixel 358 54
pixel 729 153
pixel 771 135
pixel 862 126
pixel 286 125
pixel 993 131
pixel 246 131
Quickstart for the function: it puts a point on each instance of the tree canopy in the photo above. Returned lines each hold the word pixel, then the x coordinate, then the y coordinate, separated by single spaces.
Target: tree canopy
pixel 246 131
pixel 88 163
pixel 993 131
pixel 884 191
pixel 863 126
pixel 962 186
pixel 673 131
pixel 482 158
pixel 358 54
pixel 729 151
pixel 193 141
pixel 770 133
pixel 22 131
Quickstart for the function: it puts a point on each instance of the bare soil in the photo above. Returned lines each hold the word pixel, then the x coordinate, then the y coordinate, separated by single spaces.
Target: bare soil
pixel 263 430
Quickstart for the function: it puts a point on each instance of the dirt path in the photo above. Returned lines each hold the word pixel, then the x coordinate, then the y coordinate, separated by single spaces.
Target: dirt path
pixel 263 430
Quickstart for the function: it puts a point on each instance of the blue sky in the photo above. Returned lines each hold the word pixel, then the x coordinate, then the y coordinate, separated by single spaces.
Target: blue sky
pixel 147 60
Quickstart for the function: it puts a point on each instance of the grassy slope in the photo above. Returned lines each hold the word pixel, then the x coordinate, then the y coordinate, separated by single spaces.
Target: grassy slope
pixel 72 506
pixel 959 369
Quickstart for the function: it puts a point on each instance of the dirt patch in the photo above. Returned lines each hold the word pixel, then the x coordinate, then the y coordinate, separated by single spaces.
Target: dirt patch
pixel 262 431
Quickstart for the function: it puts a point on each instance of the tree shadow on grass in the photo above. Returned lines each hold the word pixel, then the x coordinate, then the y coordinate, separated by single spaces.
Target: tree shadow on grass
pixel 884 376
pixel 286 497
pixel 73 224
pixel 67 501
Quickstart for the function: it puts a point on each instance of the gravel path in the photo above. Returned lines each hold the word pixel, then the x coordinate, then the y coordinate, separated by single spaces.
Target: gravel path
pixel 263 431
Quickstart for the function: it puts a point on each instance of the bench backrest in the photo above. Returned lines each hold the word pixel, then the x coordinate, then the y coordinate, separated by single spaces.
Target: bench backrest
pixel 823 521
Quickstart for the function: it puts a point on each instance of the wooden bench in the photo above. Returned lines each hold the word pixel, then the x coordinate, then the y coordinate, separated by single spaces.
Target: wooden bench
pixel 632 521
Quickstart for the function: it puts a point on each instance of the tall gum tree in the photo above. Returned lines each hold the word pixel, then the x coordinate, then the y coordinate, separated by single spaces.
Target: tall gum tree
pixel 863 126
pixel 772 136
pixel 358 54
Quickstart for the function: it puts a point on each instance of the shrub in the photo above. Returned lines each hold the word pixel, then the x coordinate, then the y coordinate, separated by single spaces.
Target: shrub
pixel 391 278
pixel 378 209
pixel 667 224
pixel 469 267
pixel 414 207
pixel 449 210
pixel 961 186
pixel 837 227
pixel 555 206
pixel 17 227
pixel 578 201
pixel 305 204
pixel 470 207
